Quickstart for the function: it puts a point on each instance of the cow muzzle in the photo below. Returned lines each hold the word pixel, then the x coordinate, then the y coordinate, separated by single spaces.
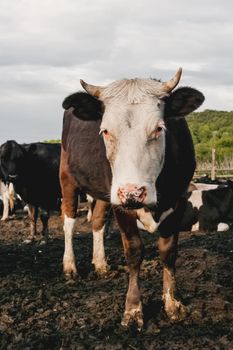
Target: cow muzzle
pixel 132 196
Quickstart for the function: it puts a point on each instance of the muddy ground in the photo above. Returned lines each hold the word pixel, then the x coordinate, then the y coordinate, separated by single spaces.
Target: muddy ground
pixel 39 309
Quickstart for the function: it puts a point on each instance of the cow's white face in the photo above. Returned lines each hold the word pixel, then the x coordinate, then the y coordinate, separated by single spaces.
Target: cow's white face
pixel 134 136
pixel 134 133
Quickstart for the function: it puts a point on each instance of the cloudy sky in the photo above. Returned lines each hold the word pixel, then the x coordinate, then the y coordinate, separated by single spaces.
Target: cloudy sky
pixel 46 46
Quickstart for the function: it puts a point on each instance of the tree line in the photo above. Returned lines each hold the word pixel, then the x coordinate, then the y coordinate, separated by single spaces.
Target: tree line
pixel 212 129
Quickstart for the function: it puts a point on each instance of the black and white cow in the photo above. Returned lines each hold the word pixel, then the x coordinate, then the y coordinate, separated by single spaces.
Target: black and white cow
pixel 34 170
pixel 209 207
pixel 118 142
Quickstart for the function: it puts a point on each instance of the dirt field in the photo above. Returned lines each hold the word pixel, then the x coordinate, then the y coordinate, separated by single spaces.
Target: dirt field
pixel 39 309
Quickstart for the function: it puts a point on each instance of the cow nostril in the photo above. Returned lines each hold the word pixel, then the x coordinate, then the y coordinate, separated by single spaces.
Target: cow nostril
pixel 121 194
pixel 142 194
pixel 139 192
pixel 142 189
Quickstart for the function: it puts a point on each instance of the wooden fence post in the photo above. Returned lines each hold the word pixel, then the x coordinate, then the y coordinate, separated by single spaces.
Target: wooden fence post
pixel 213 165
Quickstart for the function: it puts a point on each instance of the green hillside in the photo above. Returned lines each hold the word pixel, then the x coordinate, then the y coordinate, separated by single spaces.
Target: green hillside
pixel 209 129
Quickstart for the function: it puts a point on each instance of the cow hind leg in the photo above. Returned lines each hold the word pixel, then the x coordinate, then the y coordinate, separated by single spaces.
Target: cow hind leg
pixel 168 252
pixel 98 228
pixel 69 211
pixel 69 265
pixel 133 248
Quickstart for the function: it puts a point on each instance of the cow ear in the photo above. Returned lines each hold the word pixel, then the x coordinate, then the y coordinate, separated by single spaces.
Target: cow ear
pixel 182 102
pixel 85 106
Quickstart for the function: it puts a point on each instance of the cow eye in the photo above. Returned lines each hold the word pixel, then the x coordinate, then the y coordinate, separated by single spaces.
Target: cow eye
pixel 104 132
pixel 156 133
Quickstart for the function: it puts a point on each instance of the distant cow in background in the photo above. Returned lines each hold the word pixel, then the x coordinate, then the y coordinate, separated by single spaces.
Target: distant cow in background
pixel 34 170
pixel 208 205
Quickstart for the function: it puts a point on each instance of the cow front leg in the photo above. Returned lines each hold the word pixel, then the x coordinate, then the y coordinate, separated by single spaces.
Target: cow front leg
pixel 33 215
pixel 133 249
pixel 98 228
pixel 5 199
pixel 12 196
pixel 168 252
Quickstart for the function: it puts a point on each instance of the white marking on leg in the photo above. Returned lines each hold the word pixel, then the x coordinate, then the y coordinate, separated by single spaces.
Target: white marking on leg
pixel 69 265
pixel 5 200
pixel 168 299
pixel 222 227
pixel 98 251
pixel 174 308
pixel 12 195
pixel 89 213
pixel 89 205
pixel 195 227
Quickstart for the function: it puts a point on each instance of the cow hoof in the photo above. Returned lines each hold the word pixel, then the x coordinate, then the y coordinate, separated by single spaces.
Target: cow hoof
pixel 176 312
pixel 131 317
pixel 71 275
pixel 102 271
pixel 43 242
pixel 70 270
pixel 28 241
pixel 101 268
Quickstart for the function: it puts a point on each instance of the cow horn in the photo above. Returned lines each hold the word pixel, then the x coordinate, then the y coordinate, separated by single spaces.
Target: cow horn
pixel 91 89
pixel 171 84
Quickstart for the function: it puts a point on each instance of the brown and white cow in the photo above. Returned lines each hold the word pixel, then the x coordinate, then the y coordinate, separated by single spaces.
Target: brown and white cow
pixel 128 144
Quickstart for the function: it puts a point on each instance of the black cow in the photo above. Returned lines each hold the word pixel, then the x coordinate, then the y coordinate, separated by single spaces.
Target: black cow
pixel 34 170
pixel 117 142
